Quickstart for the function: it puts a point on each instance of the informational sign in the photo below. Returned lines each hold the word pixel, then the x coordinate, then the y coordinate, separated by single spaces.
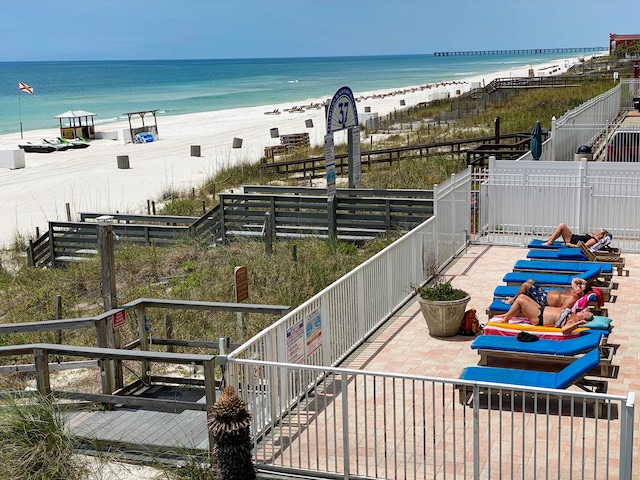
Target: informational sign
pixel 330 164
pixel 119 319
pixel 241 283
pixel 295 343
pixel 342 111
pixel 313 332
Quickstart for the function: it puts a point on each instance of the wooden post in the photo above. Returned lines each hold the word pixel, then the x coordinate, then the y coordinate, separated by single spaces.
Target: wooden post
pixel 268 233
pixel 41 358
pixel 68 212
pixel 144 341
pixel 332 218
pixel 210 394
pixel 109 298
pixel 168 330
pixel 58 316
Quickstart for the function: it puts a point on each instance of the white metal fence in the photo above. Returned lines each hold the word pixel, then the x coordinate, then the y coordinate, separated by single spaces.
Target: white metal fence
pixel 345 423
pixel 341 423
pixel 592 122
pixel 522 200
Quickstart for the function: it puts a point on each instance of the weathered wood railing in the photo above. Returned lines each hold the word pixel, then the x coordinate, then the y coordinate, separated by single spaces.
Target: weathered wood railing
pixel 315 167
pixel 112 378
pixel 356 214
pixel 71 241
pixel 348 218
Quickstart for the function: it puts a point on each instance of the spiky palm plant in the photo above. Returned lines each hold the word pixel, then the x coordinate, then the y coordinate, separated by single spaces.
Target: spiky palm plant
pixel 229 422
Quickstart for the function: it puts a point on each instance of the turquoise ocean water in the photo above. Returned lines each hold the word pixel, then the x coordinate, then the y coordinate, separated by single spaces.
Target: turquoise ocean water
pixel 111 88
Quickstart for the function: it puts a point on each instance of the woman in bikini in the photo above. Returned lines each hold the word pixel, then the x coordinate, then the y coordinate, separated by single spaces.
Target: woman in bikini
pixel 571 239
pixel 548 316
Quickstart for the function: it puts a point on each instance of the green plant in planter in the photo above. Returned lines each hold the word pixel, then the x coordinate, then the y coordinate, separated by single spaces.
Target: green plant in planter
pixel 442 290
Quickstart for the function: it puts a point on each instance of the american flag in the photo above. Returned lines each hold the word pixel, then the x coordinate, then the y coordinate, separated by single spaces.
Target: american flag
pixel 23 87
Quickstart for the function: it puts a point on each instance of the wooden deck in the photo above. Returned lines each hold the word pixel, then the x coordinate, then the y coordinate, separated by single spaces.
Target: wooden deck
pixel 145 432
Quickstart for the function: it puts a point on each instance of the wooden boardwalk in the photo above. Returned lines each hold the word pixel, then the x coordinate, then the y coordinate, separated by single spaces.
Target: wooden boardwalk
pixel 145 432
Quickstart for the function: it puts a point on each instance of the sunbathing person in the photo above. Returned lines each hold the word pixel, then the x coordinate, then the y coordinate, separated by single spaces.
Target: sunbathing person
pixel 548 316
pixel 564 298
pixel 571 239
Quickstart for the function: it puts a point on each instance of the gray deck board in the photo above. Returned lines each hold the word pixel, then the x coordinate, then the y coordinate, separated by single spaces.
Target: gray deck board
pixel 141 429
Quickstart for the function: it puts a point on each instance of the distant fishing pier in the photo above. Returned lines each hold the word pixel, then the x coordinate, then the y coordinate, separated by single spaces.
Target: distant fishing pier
pixel 522 51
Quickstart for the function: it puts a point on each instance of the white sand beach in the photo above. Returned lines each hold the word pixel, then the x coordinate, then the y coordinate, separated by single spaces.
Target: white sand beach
pixel 89 180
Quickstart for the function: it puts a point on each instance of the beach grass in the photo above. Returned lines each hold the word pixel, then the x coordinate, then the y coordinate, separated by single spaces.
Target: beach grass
pixel 35 442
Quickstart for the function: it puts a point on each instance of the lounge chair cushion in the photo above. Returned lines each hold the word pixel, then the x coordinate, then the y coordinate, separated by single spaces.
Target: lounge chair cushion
pixel 533 378
pixel 564 253
pixel 550 278
pixel 582 343
pixel 538 243
pixel 511 290
pixel 599 323
pixel 561 267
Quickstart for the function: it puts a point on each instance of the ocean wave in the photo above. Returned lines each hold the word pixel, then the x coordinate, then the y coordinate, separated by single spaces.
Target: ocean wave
pixel 293 81
pixel 465 74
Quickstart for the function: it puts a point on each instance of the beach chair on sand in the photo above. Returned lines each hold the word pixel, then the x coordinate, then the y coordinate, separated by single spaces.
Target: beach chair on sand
pixel 573 374
pixel 494 350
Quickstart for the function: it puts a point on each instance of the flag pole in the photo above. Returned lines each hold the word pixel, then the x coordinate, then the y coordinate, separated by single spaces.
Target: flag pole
pixel 20 113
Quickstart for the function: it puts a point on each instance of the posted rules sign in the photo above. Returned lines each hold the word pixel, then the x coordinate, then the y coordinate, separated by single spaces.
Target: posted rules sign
pixel 119 319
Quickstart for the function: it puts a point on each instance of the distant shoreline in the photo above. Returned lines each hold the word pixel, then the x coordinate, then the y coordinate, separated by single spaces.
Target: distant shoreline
pixel 179 87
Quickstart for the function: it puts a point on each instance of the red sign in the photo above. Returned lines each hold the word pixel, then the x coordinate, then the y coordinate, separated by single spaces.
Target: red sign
pixel 119 319
pixel 241 279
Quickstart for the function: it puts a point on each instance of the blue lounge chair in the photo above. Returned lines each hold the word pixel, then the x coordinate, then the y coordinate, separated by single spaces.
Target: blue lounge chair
pixel 537 243
pixel 549 279
pixel 556 352
pixel 606 269
pixel 576 255
pixel 572 374
pixel 559 280
pixel 502 291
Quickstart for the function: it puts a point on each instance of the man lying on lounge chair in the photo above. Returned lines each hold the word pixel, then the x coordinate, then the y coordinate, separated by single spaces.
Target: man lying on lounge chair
pixel 571 239
pixel 548 316
pixel 564 298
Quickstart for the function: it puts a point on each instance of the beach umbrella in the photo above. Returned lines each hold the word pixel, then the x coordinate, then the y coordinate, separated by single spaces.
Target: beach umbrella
pixel 535 144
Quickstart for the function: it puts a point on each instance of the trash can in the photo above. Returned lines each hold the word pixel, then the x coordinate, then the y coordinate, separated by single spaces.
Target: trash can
pixel 195 150
pixel 636 103
pixel 583 151
pixel 123 161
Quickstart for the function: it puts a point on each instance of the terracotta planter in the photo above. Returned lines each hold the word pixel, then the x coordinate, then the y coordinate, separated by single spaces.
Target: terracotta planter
pixel 443 317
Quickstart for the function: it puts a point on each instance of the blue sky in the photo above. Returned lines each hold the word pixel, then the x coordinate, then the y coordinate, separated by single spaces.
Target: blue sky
pixel 172 29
